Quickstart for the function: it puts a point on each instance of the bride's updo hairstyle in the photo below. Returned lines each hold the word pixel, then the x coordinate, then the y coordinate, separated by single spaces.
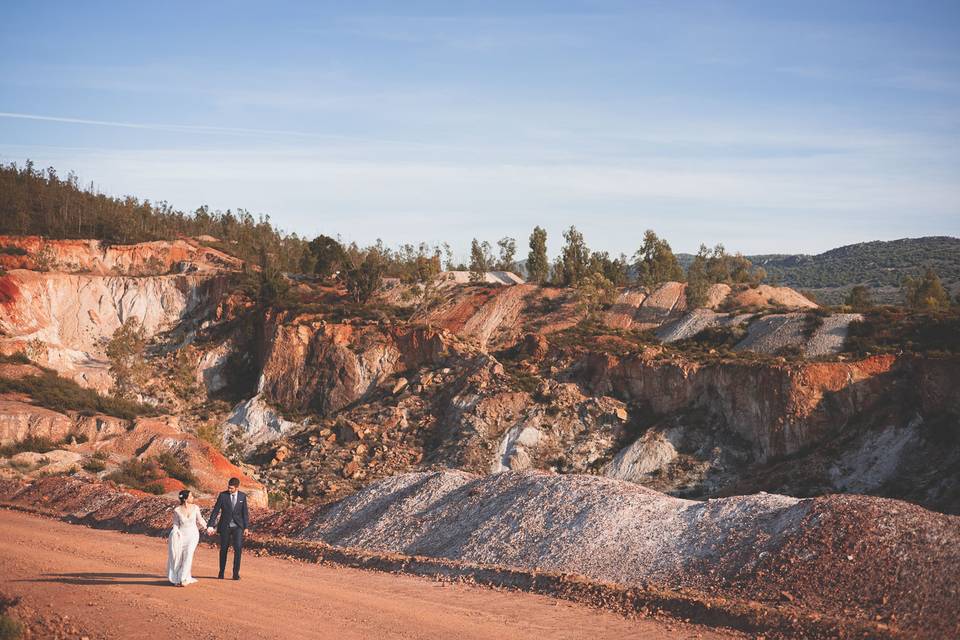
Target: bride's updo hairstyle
pixel 184 495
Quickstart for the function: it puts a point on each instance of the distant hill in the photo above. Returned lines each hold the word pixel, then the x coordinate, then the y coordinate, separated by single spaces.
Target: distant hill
pixel 881 265
pixel 877 264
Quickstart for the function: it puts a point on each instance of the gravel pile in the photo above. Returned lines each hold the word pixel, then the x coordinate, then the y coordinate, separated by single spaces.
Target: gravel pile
pixel 856 556
pixel 772 333
pixel 696 321
pixel 607 529
pixel 829 338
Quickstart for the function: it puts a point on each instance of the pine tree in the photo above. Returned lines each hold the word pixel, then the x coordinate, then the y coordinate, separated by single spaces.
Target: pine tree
pixel 324 256
pixel 697 281
pixel 125 353
pixel 480 260
pixel 538 265
pixel 508 249
pixel 655 262
pixel 574 258
pixel 364 276
pixel 594 291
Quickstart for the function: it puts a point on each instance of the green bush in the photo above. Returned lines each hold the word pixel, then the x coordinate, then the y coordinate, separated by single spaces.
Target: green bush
pixel 137 474
pixel 14 358
pixel 176 469
pixel 896 329
pixel 212 433
pixel 811 322
pixel 38 444
pixel 278 501
pixel 12 250
pixel 10 629
pixel 94 465
pixel 790 351
pixel 60 394
pixel 720 337
pixel 21 465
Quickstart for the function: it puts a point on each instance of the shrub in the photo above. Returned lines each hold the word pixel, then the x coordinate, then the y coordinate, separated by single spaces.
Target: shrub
pixel 892 329
pixel 10 629
pixel 12 250
pixel 719 337
pixel 212 433
pixel 94 465
pixel 277 501
pixel 811 322
pixel 137 474
pixel 60 394
pixel 38 444
pixel 15 358
pixel 176 469
pixel 21 465
pixel 789 351
pixel 66 472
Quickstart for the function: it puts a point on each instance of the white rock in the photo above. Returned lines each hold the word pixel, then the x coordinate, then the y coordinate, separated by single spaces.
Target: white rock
pixel 257 422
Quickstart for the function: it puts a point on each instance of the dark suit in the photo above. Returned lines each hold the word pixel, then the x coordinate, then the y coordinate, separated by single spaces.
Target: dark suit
pixel 232 524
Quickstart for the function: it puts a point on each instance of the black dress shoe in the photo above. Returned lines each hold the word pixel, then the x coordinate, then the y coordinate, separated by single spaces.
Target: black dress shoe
pixel 236 577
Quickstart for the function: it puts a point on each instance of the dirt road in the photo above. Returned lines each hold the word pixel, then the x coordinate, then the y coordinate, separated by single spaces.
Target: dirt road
pixel 112 585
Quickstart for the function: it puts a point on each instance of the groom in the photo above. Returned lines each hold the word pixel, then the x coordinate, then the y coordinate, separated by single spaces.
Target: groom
pixel 232 503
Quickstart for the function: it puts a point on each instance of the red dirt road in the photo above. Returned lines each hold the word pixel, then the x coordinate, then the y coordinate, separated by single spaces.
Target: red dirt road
pixel 113 585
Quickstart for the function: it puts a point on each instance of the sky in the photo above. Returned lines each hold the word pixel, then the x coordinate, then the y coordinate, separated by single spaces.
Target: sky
pixel 772 127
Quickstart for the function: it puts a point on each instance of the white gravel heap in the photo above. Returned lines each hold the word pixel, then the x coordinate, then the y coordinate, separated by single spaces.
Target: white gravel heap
pixel 599 527
pixel 696 321
pixel 771 333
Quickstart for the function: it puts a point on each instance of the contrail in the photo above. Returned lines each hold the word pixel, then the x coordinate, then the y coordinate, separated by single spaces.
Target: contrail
pixel 230 131
pixel 167 127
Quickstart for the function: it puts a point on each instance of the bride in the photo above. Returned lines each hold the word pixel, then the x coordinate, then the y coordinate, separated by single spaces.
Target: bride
pixel 187 524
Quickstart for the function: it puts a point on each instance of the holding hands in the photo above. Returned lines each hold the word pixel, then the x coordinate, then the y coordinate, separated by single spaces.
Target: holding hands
pixel 209 531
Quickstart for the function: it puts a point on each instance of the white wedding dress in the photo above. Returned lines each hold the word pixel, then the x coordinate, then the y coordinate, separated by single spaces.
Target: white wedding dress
pixel 184 537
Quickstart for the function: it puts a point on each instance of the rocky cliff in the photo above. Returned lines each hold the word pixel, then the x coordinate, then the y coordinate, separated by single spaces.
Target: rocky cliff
pixel 64 321
pixel 93 257
pixel 323 397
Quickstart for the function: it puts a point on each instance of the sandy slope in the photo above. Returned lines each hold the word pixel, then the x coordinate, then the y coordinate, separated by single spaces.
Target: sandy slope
pixel 111 585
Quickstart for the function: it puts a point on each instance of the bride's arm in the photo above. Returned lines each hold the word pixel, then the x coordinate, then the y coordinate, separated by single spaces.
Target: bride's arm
pixel 201 523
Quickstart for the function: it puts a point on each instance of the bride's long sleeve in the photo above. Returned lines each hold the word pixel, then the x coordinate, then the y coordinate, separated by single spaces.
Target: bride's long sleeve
pixel 201 523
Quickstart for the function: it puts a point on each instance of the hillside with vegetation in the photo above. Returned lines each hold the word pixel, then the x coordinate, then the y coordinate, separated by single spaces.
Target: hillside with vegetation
pixel 881 266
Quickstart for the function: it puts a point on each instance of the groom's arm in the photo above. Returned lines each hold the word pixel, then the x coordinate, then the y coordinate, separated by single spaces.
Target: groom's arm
pixel 246 515
pixel 212 520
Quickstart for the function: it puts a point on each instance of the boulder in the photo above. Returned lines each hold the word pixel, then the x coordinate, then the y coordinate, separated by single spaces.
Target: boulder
pixel 257 423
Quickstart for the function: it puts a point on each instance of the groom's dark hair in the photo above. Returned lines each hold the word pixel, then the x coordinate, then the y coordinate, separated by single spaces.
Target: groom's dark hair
pixel 234 482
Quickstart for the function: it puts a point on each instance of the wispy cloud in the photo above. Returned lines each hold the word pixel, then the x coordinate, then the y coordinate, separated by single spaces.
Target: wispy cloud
pixel 476 33
pixel 215 130
pixel 176 128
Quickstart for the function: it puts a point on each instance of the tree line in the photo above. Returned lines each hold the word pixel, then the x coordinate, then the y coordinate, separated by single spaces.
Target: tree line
pixel 40 202
pixel 595 274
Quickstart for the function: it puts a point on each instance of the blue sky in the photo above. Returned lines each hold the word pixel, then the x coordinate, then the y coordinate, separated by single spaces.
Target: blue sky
pixel 768 126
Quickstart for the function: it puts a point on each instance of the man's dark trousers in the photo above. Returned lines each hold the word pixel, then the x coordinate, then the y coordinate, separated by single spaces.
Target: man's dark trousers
pixel 231 537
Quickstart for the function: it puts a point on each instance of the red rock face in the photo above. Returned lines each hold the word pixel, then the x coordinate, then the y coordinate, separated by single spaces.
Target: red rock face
pixel 324 366
pixel 779 408
pixel 9 291
pixel 74 315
